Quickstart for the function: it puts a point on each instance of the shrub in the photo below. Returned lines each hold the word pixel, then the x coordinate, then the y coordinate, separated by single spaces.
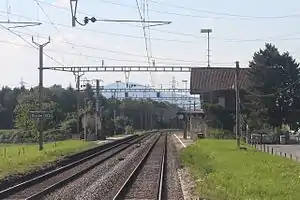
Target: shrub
pixel 129 129
pixel 219 134
pixel 70 125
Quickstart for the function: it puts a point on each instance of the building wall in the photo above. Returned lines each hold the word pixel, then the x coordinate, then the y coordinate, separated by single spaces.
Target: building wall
pixel 225 98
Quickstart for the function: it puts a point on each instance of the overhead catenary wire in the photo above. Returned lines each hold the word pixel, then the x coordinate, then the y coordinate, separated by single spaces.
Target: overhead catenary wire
pixel 223 17
pixel 17 24
pixel 148 50
pixel 29 43
pixel 284 37
pixel 109 33
pixel 117 34
pixel 225 14
pixel 53 24
pixel 172 59
pixel 114 51
pixel 99 58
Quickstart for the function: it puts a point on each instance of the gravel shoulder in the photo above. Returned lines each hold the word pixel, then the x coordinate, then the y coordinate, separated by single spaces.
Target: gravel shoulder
pixel 173 185
pixel 188 184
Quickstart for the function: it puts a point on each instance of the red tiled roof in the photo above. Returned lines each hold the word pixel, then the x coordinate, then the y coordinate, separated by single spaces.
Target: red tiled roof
pixel 216 78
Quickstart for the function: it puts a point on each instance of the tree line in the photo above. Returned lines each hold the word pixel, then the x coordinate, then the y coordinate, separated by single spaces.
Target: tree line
pixel 16 104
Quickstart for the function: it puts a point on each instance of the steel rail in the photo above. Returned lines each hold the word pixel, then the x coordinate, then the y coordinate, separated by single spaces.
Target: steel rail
pixel 26 184
pixel 162 171
pixel 126 185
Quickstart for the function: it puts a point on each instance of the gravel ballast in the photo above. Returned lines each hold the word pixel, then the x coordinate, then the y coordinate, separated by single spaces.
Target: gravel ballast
pixel 50 181
pixel 95 183
pixel 108 185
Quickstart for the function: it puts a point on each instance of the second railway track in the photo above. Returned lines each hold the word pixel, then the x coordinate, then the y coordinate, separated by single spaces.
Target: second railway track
pixel 146 181
pixel 42 185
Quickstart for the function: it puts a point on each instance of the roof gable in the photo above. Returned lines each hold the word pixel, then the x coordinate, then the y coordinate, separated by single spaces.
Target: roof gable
pixel 216 78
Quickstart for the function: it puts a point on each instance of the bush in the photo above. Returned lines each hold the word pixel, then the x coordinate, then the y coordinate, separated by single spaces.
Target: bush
pixel 69 126
pixel 18 136
pixel 56 135
pixel 129 130
pixel 219 134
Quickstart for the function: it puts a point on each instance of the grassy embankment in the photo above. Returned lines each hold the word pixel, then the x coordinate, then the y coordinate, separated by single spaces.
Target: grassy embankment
pixel 17 158
pixel 223 172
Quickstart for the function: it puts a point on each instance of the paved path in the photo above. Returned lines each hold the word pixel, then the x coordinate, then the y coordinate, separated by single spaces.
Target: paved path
pixel 183 142
pixel 289 149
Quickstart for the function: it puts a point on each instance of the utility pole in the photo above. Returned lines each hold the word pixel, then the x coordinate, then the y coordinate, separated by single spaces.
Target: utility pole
pixel 185 93
pixel 84 119
pixel 237 104
pixel 41 63
pixel 77 79
pixel 97 107
pixel 115 117
pixel 116 105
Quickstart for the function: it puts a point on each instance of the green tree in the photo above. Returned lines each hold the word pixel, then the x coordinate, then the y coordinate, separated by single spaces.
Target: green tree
pixel 273 97
pixel 23 120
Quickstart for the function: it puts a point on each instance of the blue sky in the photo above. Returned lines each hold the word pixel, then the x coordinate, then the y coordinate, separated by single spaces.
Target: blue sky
pixel 239 29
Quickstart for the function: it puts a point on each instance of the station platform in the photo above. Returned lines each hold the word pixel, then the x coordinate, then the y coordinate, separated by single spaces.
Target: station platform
pixel 111 139
pixel 180 141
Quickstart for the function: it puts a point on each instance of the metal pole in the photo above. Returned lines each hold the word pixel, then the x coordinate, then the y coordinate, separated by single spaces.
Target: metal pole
pixel 114 121
pixel 41 63
pixel 97 107
pixel 185 126
pixel 84 119
pixel 115 107
pixel 77 77
pixel 151 115
pixel 237 104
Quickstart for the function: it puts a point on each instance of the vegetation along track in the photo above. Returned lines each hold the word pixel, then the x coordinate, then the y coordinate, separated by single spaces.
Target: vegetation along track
pixel 46 183
pixel 146 180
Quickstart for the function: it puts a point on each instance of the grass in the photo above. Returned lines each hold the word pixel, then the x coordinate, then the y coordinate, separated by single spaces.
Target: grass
pixel 223 172
pixel 22 158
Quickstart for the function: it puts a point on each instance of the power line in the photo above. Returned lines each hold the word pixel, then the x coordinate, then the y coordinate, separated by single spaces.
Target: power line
pixel 161 39
pixel 109 33
pixel 148 51
pixel 191 34
pixel 98 57
pixel 132 25
pixel 114 51
pixel 207 17
pixel 226 14
pixel 29 43
pixel 146 14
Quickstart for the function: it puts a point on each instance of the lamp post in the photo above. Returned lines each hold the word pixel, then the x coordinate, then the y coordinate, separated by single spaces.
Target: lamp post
pixel 207 31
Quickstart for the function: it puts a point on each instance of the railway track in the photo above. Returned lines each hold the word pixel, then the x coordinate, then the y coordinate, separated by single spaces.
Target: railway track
pixel 146 180
pixel 38 187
